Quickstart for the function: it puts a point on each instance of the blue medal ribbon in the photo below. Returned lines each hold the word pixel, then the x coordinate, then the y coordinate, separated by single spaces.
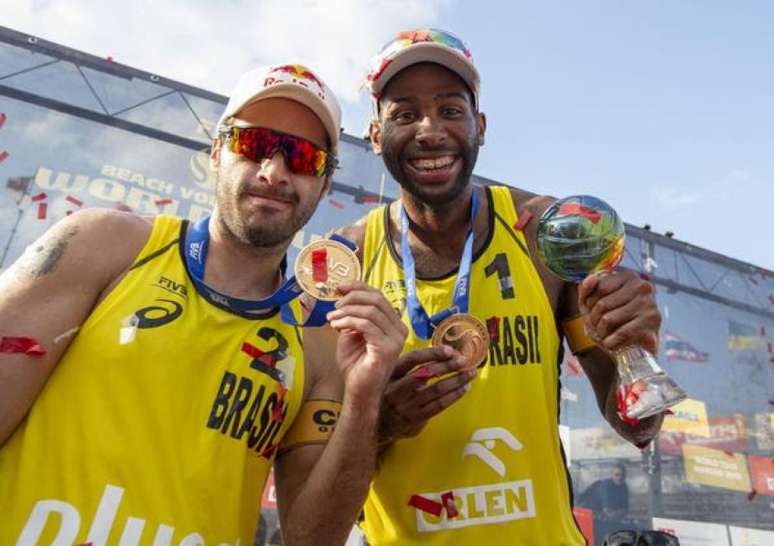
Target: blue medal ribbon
pixel 196 250
pixel 422 324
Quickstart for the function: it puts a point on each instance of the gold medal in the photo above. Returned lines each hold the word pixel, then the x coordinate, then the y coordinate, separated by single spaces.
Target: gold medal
pixel 465 334
pixel 323 265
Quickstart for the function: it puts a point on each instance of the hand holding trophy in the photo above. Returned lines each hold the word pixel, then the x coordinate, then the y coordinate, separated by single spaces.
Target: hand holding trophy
pixel 582 235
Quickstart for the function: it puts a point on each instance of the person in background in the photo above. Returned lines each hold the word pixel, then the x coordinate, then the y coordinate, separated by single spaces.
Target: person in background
pixel 608 499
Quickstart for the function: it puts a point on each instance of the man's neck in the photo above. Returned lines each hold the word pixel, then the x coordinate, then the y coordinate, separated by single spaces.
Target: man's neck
pixel 238 269
pixel 438 224
pixel 438 233
pixel 443 228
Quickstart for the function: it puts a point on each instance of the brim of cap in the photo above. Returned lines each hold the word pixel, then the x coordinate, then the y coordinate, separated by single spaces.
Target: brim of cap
pixel 431 53
pixel 297 93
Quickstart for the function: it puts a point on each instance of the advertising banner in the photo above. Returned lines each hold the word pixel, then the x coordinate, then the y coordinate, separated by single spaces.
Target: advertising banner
pixel 585 519
pixel 727 433
pixel 742 536
pixel 269 499
pixel 716 468
pixel 694 533
pixel 564 436
pixel 599 443
pixel 764 430
pixel 762 474
pixel 688 417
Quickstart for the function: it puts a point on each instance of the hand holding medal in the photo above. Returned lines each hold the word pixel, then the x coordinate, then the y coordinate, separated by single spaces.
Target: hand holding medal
pixel 465 334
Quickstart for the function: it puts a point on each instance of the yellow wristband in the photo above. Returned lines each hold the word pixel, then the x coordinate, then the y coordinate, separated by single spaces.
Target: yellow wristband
pixel 314 424
pixel 577 338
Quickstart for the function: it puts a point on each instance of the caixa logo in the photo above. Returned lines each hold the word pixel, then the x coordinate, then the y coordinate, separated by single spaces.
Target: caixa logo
pixel 325 420
pixel 101 527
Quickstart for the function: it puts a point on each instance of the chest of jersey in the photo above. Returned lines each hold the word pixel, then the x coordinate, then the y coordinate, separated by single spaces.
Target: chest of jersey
pixel 159 424
pixel 495 453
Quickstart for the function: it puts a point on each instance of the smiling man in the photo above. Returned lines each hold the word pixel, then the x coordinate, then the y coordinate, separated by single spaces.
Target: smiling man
pixel 457 262
pixel 147 381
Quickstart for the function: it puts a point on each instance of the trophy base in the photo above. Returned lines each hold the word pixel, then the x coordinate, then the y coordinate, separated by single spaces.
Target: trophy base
pixel 656 394
pixel 655 390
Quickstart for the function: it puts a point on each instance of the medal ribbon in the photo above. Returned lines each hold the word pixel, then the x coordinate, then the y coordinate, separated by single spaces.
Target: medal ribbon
pixel 196 250
pixel 422 324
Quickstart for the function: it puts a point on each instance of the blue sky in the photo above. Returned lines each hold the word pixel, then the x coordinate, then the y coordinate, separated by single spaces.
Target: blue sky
pixel 663 108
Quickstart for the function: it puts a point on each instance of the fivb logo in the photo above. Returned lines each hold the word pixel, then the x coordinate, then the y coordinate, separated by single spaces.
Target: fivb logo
pixel 483 442
pixel 101 526
pixel 463 287
pixel 195 250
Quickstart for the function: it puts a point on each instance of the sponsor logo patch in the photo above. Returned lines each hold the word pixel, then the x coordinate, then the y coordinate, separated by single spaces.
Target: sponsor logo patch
pixel 481 505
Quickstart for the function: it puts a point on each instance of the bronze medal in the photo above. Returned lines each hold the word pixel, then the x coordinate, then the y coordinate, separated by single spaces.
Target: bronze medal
pixel 465 334
pixel 323 265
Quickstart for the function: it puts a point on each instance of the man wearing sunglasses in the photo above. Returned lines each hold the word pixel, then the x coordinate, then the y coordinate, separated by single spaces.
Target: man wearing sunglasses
pixel 147 379
pixel 486 468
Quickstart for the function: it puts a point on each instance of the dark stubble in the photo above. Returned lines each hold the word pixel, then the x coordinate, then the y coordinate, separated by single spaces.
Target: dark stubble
pixel 261 234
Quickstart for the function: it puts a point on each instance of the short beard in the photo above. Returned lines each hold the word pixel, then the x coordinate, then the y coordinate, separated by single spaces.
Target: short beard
pixel 469 156
pixel 262 235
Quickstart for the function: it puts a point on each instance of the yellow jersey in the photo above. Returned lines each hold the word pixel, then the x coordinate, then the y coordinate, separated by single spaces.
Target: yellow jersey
pixel 496 452
pixel 159 425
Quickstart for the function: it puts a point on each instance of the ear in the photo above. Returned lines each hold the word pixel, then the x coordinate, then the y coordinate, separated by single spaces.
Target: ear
pixel 481 127
pixel 215 154
pixel 375 135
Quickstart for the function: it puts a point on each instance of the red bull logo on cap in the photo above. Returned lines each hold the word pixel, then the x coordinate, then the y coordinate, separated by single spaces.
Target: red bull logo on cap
pixel 298 74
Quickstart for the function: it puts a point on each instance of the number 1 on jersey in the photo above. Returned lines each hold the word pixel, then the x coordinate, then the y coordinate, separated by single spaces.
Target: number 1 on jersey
pixel 500 266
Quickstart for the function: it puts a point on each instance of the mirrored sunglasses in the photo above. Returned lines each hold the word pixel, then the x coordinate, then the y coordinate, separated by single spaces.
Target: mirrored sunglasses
pixel 302 156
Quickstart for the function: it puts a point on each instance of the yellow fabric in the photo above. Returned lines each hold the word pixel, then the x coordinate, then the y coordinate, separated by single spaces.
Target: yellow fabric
pixel 161 440
pixel 314 424
pixel 497 449
pixel 577 338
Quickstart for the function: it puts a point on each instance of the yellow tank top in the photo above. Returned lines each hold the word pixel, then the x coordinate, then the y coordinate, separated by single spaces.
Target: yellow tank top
pixel 156 431
pixel 497 449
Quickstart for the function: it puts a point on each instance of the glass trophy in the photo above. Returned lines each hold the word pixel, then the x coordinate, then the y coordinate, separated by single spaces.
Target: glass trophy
pixel 582 235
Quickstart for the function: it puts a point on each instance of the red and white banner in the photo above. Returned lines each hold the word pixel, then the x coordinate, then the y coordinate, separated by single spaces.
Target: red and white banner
pixel 269 499
pixel 762 475
pixel 585 519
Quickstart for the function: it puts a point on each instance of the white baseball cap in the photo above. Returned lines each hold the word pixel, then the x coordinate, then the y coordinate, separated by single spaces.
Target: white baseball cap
pixel 290 81
pixel 419 46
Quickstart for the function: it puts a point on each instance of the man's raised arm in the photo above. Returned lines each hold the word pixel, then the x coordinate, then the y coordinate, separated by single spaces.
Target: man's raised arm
pixel 321 488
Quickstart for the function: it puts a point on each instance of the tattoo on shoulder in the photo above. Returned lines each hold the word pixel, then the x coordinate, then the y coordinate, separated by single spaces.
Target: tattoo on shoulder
pixel 42 257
